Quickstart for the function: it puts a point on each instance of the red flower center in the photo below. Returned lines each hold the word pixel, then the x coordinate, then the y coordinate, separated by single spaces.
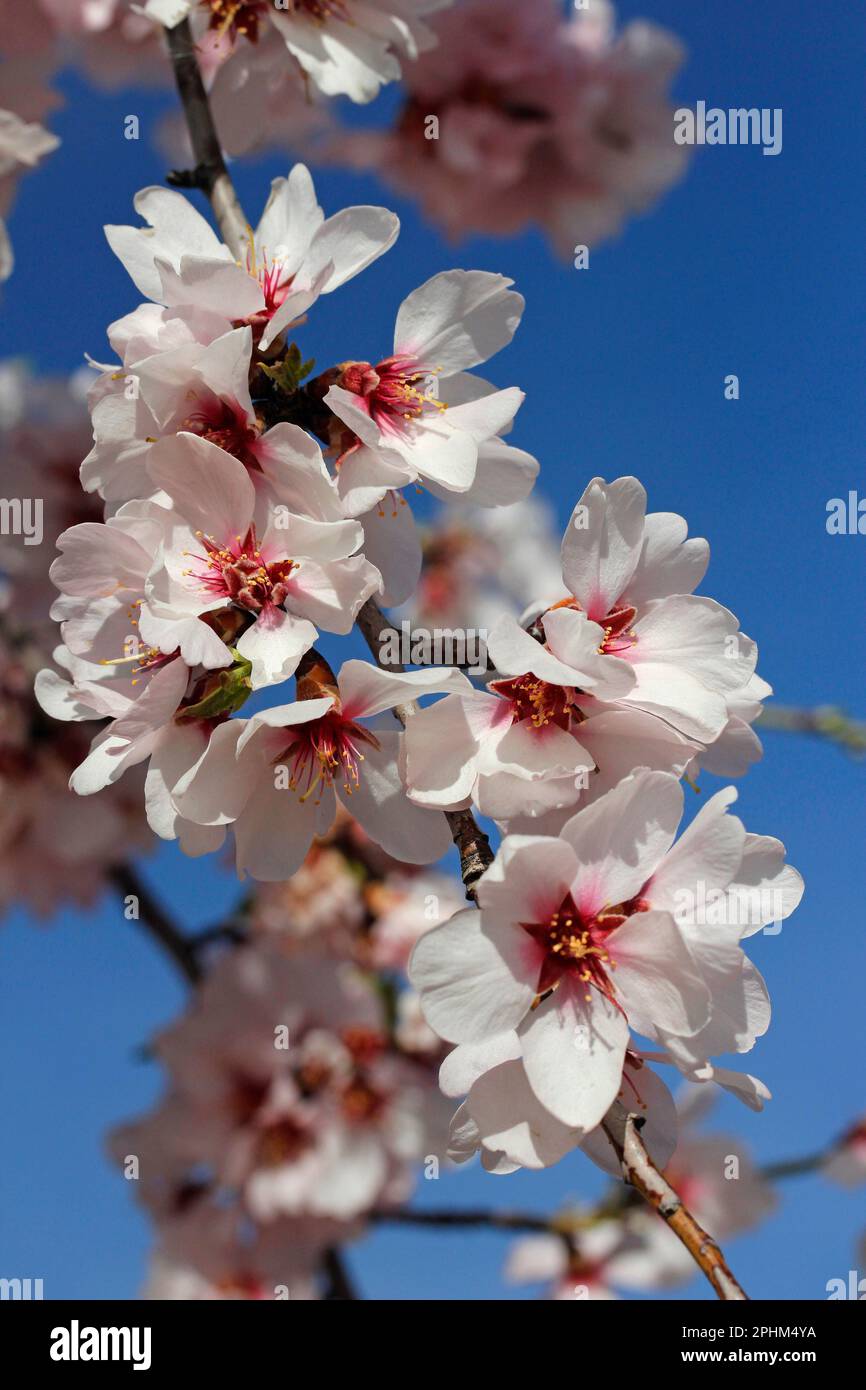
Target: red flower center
pixel 538 701
pixel 235 17
pixel 323 749
pixel 224 423
pixel 577 945
pixel 238 571
pixel 395 393
pixel 619 634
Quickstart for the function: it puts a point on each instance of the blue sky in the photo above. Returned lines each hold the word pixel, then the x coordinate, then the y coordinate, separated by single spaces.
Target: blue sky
pixel 751 266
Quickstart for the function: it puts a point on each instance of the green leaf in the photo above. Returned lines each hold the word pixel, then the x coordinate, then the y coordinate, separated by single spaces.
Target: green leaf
pixel 221 692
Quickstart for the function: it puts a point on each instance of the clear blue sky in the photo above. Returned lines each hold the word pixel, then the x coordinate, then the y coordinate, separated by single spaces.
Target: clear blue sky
pixel 753 266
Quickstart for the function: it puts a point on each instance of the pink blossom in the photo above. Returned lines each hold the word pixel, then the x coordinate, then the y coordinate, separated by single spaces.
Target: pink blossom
pixel 582 938
pixel 277 776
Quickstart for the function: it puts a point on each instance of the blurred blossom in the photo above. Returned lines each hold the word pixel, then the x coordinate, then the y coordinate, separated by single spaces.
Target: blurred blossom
pixel 286 1095
pixel 479 564
pixel 847 1164
pixel 542 120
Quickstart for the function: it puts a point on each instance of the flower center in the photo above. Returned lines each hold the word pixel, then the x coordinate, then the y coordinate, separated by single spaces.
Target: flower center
pixel 275 284
pixel 235 17
pixel 239 572
pixel 323 749
pixel 139 659
pixel 576 945
pixel 365 1044
pixel 282 1142
pixel 225 425
pixel 538 701
pixel 361 1102
pixel 395 393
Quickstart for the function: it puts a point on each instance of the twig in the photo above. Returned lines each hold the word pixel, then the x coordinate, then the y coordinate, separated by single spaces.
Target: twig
pixel 798 1167
pixel 340 1286
pixel 623 1131
pixel 827 721
pixel 210 173
pixel 156 921
pixel 472 844
pixel 498 1220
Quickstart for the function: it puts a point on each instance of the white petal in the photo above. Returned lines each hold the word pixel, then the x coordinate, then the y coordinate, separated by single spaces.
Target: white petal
pixel 470 974
pixel 458 319
pixel 275 644
pixel 620 839
pixel 602 543
pixel 573 1051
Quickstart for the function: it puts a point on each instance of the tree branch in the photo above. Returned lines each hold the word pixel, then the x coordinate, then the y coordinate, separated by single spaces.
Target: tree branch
pixel 210 173
pixel 156 921
pixel 827 721
pixel 623 1131
pixel 340 1286
pixel 472 843
pixel 472 1217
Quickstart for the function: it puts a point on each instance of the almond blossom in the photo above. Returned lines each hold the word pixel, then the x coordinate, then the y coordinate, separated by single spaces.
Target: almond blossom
pixel 420 416
pixel 632 575
pixel 398 420
pixel 346 47
pixel 208 1252
pixel 629 1253
pixel 631 670
pixel 537 742
pixel 202 389
pixel 847 1162
pixel 280 571
pixel 581 939
pixel 53 848
pixel 503 1119
pixel 277 776
pixel 719 1184
pixel 293 256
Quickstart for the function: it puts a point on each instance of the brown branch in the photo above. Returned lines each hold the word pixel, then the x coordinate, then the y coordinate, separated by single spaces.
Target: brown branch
pixel 473 845
pixel 623 1131
pixel 472 1217
pixel 800 1167
pixel 210 173
pixel 340 1286
pixel 155 920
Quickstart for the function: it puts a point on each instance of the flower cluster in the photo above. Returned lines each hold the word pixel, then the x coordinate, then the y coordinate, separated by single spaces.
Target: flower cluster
pixel 594 924
pixel 302 1086
pixel 228 545
pixel 53 848
pixel 248 510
